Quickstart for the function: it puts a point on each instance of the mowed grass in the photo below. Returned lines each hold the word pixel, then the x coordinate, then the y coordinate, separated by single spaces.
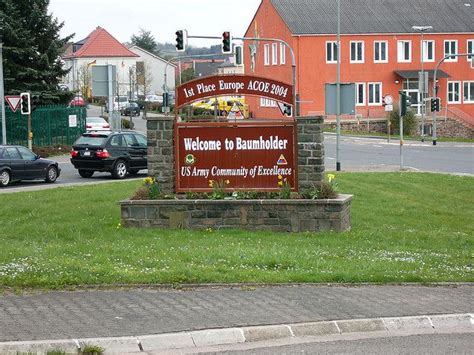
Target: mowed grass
pixel 406 227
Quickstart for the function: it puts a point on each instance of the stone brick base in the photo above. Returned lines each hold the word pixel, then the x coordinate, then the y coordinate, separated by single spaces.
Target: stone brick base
pixel 268 215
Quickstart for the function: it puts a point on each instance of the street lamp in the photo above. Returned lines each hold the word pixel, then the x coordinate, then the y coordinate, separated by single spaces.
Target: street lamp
pixel 422 84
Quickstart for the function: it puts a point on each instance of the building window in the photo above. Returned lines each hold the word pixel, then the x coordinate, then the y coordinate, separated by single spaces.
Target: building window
pixel 470 49
pixel 469 92
pixel 266 54
pixel 428 51
pixel 282 53
pixel 360 94
pixel 454 88
pixel 274 53
pixel 331 52
pixel 451 47
pixel 404 51
pixel 381 52
pixel 375 94
pixel 264 102
pixel 357 52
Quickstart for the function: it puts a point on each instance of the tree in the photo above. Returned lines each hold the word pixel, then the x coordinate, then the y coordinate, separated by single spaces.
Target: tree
pixel 32 49
pixel 146 41
pixel 144 78
pixel 187 75
pixel 84 80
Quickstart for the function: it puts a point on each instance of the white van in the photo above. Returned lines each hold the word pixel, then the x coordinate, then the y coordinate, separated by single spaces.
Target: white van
pixel 120 102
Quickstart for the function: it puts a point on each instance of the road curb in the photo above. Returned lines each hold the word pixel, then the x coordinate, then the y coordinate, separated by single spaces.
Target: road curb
pixel 225 336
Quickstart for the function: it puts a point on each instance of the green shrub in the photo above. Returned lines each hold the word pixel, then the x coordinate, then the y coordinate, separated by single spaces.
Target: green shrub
pixel 126 123
pixel 410 122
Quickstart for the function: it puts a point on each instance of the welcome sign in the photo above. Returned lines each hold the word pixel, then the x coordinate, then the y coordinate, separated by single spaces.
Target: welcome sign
pixel 232 85
pixel 243 156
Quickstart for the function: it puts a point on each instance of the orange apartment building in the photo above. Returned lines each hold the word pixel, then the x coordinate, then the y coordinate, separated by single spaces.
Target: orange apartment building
pixel 380 52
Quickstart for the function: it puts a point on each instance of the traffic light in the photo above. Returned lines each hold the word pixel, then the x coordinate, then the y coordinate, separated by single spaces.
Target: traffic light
pixel 239 55
pixel 226 43
pixel 180 40
pixel 435 104
pixel 405 103
pixel 166 99
pixel 25 104
pixel 287 110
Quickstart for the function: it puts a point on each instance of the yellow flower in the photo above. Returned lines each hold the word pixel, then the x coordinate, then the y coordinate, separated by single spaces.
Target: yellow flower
pixel 331 177
pixel 149 180
pixel 280 183
pixel 280 177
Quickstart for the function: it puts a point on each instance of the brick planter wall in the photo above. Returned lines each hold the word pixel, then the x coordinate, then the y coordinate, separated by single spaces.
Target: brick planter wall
pixel 267 215
pixel 271 215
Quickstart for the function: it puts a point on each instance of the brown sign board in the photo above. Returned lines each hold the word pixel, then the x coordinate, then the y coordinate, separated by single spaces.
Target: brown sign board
pixel 233 85
pixel 239 156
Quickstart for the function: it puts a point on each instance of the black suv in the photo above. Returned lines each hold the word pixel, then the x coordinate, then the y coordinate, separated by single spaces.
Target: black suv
pixel 114 152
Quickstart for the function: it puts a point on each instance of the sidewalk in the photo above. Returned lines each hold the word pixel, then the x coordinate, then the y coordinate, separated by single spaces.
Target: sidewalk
pixel 138 312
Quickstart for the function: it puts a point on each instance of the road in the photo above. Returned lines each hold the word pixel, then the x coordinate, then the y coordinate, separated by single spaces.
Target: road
pixel 363 343
pixel 358 153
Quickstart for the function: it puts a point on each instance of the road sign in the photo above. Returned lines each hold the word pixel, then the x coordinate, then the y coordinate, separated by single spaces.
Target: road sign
pixel 13 101
pixel 388 99
pixel 388 108
pixel 285 109
pixel 235 113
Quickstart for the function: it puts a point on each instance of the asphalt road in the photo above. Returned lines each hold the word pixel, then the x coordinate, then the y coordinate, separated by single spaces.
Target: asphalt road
pixel 365 344
pixel 357 153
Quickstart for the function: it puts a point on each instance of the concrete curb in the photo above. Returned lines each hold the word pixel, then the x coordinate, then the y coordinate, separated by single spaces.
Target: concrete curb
pixel 212 337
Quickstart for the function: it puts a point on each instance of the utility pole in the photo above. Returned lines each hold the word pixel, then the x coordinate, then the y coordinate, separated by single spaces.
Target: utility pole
pixel 423 82
pixel 338 88
pixel 2 95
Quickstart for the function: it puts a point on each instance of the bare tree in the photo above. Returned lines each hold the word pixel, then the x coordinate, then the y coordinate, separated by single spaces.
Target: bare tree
pixel 84 80
pixel 144 78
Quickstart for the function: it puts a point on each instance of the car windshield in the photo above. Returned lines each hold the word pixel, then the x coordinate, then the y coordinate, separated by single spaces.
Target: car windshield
pixel 122 99
pixel 94 140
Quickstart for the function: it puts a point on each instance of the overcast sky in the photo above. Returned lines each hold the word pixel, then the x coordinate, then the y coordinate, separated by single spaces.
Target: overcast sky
pixel 122 18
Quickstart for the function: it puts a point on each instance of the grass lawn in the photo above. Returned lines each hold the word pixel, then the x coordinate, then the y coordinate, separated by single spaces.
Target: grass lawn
pixel 406 227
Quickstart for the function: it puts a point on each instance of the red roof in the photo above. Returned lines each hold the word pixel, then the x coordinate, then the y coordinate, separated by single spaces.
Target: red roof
pixel 101 43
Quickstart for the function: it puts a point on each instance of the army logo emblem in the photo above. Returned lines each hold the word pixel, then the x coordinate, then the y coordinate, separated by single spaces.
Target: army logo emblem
pixel 189 159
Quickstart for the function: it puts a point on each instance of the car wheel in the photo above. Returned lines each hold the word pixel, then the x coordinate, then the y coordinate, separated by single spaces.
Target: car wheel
pixel 51 174
pixel 120 169
pixel 4 178
pixel 133 171
pixel 86 173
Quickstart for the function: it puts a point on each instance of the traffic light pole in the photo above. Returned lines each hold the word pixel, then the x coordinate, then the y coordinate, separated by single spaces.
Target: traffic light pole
pixel 30 134
pixel 293 61
pixel 435 91
pixel 402 98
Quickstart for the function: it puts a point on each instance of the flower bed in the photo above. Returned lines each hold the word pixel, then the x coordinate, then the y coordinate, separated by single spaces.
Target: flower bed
pixel 292 215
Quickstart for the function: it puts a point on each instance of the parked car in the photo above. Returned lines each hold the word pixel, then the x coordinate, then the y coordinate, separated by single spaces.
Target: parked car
pixel 133 107
pixel 19 163
pixel 116 152
pixel 154 99
pixel 77 101
pixel 97 124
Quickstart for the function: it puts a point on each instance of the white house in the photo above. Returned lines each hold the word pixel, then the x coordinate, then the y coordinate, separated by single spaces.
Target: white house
pixel 154 68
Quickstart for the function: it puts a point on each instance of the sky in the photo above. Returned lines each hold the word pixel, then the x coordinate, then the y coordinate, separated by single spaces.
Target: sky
pixel 123 18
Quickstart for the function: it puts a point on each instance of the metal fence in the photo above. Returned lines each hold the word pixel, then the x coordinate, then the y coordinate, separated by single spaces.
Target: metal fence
pixel 50 126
